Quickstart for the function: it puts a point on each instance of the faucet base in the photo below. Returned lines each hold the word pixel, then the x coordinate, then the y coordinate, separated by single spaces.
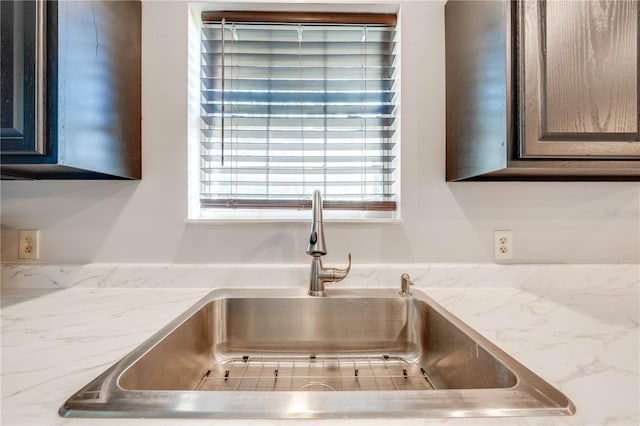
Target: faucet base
pixel 317 293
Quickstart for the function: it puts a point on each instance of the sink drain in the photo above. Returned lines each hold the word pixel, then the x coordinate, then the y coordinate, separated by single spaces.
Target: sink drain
pixel 316 386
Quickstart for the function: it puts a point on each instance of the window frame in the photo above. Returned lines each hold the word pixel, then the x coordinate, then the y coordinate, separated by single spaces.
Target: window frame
pixel 198 214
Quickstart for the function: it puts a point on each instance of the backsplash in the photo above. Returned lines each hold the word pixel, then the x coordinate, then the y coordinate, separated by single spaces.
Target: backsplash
pixel 601 278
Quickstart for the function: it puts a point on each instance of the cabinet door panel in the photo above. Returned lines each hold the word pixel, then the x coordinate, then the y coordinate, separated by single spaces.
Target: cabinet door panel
pixel 22 77
pixel 579 79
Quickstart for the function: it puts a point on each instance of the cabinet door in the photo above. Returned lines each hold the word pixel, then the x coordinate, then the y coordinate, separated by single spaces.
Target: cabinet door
pixel 22 73
pixel 578 84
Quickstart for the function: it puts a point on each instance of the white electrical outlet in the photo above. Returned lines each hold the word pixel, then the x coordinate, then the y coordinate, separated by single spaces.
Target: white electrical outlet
pixel 29 244
pixel 502 245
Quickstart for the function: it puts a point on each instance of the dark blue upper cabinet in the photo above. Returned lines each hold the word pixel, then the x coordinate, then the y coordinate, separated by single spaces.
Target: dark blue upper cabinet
pixel 71 88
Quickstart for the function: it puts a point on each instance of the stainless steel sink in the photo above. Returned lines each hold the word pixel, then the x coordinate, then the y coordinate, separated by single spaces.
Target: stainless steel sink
pixel 283 354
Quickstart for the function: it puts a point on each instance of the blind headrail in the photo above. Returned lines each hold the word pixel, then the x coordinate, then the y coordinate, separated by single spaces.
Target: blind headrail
pixel 302 204
pixel 301 17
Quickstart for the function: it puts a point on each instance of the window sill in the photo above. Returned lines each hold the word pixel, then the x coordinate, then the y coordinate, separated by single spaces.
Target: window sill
pixel 220 216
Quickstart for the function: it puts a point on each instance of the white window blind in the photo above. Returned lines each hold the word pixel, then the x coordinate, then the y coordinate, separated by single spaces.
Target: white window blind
pixel 290 104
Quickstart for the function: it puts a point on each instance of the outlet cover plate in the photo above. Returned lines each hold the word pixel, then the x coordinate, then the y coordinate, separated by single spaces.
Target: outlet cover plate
pixel 502 245
pixel 29 244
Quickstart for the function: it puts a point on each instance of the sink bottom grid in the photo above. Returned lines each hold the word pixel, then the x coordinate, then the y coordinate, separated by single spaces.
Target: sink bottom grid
pixel 315 373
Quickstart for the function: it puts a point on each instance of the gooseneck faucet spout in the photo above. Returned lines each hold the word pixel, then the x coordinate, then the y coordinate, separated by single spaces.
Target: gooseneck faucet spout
pixel 316 238
pixel 316 248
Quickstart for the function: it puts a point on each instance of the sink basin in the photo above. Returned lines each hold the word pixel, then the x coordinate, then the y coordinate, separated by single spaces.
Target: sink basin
pixel 282 354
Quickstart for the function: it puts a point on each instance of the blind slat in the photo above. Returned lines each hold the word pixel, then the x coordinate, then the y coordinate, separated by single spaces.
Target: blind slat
pixel 261 203
pixel 373 147
pixel 226 175
pixel 298 84
pixel 288 72
pixel 293 59
pixel 382 48
pixel 212 32
pixel 313 140
pixel 299 110
pixel 280 123
pixel 337 158
pixel 297 97
pixel 290 184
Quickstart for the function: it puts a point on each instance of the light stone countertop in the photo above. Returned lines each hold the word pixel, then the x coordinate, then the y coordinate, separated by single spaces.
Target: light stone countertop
pixel 575 326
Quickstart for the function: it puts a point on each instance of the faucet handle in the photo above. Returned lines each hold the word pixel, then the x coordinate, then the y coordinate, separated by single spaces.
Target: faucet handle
pixel 346 270
pixel 336 274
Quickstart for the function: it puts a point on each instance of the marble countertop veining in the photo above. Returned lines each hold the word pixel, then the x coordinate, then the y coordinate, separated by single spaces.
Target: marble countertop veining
pixel 578 330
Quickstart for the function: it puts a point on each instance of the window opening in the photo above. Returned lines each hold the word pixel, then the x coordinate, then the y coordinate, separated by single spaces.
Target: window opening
pixel 296 102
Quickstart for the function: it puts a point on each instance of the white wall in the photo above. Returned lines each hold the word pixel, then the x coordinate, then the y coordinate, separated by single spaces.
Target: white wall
pixel 144 221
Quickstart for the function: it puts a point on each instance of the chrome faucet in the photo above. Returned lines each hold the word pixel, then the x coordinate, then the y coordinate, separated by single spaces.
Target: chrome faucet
pixel 316 248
